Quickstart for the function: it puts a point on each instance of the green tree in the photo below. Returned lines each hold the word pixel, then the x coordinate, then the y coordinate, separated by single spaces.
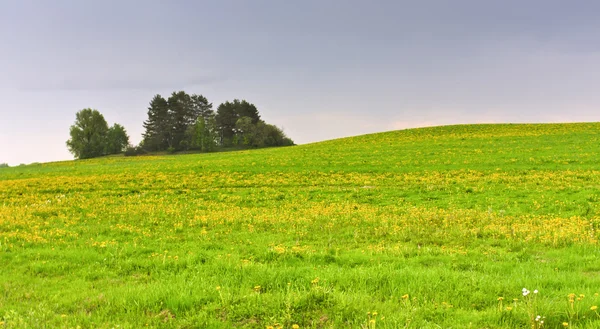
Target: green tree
pixel 201 107
pixel 157 136
pixel 117 139
pixel 88 134
pixel 245 131
pixel 274 136
pixel 203 134
pixel 182 114
pixel 227 116
pixel 226 119
pixel 209 141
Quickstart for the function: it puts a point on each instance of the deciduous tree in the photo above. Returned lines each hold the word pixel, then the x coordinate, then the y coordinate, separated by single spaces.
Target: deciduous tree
pixel 88 134
pixel 117 139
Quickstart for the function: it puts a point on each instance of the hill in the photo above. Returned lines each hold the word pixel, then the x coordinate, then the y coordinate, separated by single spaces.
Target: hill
pixel 427 227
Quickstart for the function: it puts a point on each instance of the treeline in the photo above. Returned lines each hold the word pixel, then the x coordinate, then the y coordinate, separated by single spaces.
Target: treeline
pixel 181 122
pixel 187 122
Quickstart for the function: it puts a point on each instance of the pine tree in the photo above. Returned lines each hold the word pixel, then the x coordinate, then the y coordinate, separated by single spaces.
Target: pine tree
pixel 201 107
pixel 158 126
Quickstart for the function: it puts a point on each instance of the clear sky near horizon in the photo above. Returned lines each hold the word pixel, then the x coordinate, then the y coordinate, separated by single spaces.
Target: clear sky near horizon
pixel 321 69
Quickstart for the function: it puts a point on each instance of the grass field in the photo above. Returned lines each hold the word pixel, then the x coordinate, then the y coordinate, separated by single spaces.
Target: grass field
pixel 425 228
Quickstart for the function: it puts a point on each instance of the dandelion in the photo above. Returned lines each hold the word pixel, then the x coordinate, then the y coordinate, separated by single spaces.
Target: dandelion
pixel 509 308
pixel 525 292
pixel 535 291
pixel 593 308
pixel 500 298
pixel 218 288
pixel 257 288
pixel 405 296
pixel 565 324
pixel 295 326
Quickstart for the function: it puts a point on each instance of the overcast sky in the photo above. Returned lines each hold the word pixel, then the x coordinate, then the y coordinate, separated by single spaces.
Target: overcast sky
pixel 320 69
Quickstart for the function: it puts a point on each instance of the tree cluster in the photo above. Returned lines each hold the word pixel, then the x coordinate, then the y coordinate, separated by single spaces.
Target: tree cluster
pixel 92 137
pixel 187 122
pixel 181 122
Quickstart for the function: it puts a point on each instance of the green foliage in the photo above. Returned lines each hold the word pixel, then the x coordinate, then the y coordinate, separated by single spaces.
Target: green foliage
pixel 4 165
pixel 204 134
pixel 157 135
pixel 228 114
pixel 135 150
pixel 117 139
pixel 88 135
pixel 245 131
pixel 170 121
pixel 260 134
pixel 91 137
pixel 187 122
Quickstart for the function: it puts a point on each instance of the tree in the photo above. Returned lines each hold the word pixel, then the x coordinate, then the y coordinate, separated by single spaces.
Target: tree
pixel 245 131
pixel 88 134
pixel 209 139
pixel 227 116
pixel 203 134
pixel 245 109
pixel 201 107
pixel 260 134
pixel 157 136
pixel 182 116
pixel 117 139
pixel 226 119
pixel 171 121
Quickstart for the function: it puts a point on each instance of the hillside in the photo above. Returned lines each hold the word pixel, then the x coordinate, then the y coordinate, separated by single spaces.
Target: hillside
pixel 427 227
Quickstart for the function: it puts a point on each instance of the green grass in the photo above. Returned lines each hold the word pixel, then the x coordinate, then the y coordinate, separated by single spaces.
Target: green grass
pixel 426 227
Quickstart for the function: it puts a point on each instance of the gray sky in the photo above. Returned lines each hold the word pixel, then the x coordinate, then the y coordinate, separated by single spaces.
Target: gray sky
pixel 321 69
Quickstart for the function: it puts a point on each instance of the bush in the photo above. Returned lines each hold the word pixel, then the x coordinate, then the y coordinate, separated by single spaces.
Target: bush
pixel 4 165
pixel 135 150
pixel 287 142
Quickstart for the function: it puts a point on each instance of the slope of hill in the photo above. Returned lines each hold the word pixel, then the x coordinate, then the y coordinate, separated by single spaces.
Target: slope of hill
pixel 428 227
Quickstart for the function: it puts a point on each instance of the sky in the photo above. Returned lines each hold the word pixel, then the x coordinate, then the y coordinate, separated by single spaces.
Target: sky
pixel 320 69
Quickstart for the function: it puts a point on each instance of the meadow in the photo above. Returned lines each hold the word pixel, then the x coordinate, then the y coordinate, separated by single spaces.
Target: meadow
pixel 468 226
